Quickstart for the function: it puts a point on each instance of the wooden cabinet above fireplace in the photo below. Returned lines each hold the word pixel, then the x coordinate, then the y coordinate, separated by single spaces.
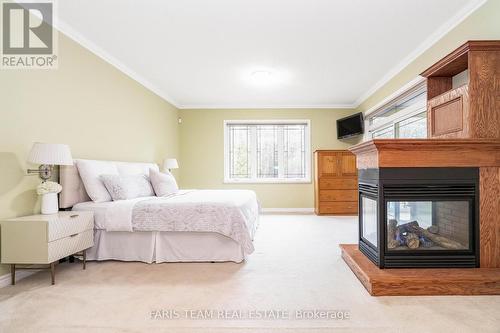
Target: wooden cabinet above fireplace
pixel 466 108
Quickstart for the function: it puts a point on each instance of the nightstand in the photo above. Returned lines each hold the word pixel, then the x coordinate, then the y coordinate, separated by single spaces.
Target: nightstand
pixel 44 239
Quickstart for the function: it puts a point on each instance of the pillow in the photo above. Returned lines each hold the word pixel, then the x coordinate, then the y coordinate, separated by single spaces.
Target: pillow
pixel 163 183
pixel 90 171
pixel 133 168
pixel 127 186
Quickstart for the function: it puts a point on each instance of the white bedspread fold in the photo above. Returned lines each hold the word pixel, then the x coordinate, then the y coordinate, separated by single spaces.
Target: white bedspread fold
pixel 119 218
pixel 231 213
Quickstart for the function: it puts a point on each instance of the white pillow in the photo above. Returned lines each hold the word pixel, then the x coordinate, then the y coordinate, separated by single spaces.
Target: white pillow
pixel 123 187
pixel 89 171
pixel 133 168
pixel 163 183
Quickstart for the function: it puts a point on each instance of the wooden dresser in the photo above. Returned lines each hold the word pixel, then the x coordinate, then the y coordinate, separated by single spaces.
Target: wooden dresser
pixel 335 183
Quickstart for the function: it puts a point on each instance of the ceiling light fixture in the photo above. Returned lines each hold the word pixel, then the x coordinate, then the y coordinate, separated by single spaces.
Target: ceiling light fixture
pixel 262 77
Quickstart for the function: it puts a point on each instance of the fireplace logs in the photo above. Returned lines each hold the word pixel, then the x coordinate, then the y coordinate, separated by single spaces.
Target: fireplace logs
pixel 433 229
pixel 439 240
pixel 413 236
pixel 391 234
pixel 405 236
pixel 412 241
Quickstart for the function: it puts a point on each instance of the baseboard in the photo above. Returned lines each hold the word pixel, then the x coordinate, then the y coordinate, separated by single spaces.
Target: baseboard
pixel 287 210
pixel 20 274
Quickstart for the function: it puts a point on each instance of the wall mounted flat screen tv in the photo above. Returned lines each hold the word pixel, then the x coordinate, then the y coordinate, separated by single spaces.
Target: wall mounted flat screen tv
pixel 350 126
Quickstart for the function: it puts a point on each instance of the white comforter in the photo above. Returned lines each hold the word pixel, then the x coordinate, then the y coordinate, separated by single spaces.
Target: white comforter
pixel 229 212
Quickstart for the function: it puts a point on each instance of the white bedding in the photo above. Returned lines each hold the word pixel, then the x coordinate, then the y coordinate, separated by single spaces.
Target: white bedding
pixel 232 213
pixel 100 210
pixel 158 246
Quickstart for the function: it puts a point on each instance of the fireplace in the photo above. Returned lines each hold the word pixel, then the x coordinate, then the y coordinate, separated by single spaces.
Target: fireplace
pixel 419 217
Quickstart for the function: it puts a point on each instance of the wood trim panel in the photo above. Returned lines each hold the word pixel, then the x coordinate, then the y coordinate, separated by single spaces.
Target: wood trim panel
pixel 420 281
pixel 328 165
pixel 452 64
pixel 484 91
pixel 456 61
pixel 316 183
pixel 339 184
pixel 449 114
pixel 427 153
pixel 438 85
pixel 347 163
pixel 489 217
pixel 338 195
pixel 339 208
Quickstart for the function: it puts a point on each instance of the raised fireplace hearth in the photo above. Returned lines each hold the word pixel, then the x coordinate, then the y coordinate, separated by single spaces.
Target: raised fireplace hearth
pixel 419 217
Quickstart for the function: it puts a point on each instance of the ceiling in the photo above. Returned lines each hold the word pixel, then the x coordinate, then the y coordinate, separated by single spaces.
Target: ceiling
pixel 317 53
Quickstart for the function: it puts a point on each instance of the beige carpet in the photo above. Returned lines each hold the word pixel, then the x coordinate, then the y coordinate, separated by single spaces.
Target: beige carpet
pixel 296 266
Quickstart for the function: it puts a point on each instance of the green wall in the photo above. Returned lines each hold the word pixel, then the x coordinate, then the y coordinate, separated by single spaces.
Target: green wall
pixel 86 103
pixel 202 150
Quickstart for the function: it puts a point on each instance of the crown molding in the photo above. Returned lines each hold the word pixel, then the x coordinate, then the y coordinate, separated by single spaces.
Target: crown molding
pixel 424 46
pixel 71 33
pixel 253 106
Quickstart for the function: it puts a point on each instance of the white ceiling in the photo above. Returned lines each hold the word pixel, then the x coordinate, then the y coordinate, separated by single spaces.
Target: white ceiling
pixel 200 53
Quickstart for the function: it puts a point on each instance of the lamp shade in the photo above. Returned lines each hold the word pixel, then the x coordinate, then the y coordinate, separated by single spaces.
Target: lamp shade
pixel 170 163
pixel 50 153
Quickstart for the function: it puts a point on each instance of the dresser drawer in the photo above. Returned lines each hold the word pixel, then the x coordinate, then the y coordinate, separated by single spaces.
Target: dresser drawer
pixel 338 195
pixel 65 224
pixel 338 184
pixel 69 245
pixel 345 207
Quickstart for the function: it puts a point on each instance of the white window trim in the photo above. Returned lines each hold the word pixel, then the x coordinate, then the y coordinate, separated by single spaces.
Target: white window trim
pixel 397 117
pixel 415 85
pixel 307 145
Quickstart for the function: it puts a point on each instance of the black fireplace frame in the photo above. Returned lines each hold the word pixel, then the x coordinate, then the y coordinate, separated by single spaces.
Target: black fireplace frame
pixel 428 184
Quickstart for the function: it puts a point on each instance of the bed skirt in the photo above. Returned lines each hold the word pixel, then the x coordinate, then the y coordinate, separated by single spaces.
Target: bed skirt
pixel 156 246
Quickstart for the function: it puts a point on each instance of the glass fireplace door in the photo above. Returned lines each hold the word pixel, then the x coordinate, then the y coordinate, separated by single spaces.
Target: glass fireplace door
pixel 369 217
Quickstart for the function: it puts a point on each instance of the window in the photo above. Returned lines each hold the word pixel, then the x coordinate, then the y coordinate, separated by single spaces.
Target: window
pixel 267 151
pixel 403 117
pixel 409 126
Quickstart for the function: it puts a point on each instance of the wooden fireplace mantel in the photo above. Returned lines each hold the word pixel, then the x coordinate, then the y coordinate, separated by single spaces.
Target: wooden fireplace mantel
pixel 401 153
pixel 405 153
pixel 420 153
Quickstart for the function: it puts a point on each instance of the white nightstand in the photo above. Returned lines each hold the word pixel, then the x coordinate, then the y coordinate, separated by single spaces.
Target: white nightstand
pixel 44 239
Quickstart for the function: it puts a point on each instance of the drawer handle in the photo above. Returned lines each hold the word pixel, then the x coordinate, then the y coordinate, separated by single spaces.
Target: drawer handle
pixel 73 216
pixel 73 235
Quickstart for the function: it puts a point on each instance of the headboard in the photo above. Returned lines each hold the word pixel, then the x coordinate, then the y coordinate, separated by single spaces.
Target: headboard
pixel 73 191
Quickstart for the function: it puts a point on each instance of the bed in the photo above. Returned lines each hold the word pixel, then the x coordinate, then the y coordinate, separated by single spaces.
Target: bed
pixel 188 226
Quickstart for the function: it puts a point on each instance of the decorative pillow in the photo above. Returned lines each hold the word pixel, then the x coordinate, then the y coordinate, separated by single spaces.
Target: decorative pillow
pixel 163 183
pixel 89 171
pixel 127 186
